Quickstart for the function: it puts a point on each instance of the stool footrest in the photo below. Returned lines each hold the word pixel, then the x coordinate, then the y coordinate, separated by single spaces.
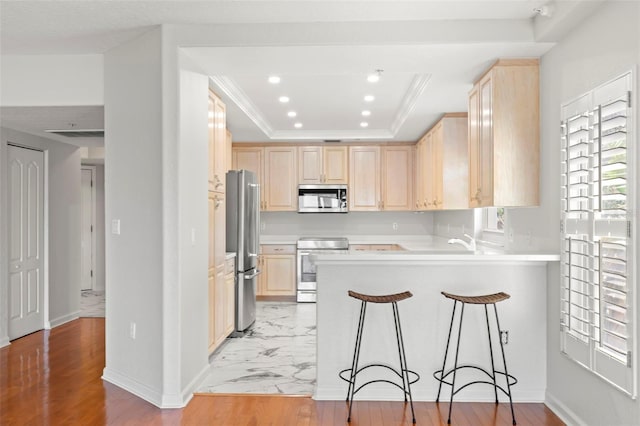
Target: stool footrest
pixel 413 376
pixel 441 378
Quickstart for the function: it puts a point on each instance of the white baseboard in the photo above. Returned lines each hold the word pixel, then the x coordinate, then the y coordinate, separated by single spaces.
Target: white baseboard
pixel 64 319
pixel 151 395
pixel 4 342
pixel 133 386
pixel 187 393
pixel 562 411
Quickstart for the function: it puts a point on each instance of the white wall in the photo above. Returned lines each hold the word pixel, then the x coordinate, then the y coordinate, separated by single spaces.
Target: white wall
pixel 63 179
pixel 353 223
pixel 603 47
pixel 193 214
pixel 133 195
pixel 45 80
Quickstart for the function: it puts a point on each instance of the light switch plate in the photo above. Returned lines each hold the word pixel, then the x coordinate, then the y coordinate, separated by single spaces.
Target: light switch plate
pixel 115 226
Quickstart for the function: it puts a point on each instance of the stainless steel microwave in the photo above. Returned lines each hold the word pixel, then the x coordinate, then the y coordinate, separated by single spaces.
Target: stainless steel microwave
pixel 322 199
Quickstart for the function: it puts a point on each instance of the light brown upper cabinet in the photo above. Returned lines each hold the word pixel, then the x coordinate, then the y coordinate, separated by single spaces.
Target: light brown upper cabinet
pixel 228 152
pixel 380 178
pixel 364 178
pixel 397 175
pixel 250 158
pixel 442 165
pixel 281 178
pixel 323 164
pixel 504 135
pixel 217 143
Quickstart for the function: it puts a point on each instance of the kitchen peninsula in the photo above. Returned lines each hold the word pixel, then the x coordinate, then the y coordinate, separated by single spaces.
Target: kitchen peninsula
pixel 426 270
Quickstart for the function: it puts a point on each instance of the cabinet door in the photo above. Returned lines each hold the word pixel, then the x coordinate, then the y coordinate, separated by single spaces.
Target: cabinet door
pixel 212 308
pixel 436 166
pixel 364 178
pixel 212 232
pixel 279 275
pixel 397 185
pixel 419 174
pixel 428 171
pixel 474 147
pixel 217 143
pixel 310 164
pixel 336 165
pixel 229 152
pixel 281 179
pixel 218 311
pixel 251 159
pixel 230 303
pixel 485 163
pixel 219 220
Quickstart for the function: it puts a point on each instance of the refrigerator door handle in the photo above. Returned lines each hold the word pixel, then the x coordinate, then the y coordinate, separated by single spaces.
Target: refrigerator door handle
pixel 255 274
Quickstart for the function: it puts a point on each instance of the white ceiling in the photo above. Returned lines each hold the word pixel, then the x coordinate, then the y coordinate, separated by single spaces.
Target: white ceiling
pixel 326 83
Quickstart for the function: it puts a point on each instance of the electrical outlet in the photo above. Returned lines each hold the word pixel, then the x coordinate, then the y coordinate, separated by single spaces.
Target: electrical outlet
pixel 529 238
pixel 510 235
pixel 115 226
pixel 394 226
pixel 263 226
pixel 504 336
pixel 132 330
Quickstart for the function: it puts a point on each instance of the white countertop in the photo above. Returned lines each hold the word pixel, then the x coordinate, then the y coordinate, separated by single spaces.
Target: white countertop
pixel 417 249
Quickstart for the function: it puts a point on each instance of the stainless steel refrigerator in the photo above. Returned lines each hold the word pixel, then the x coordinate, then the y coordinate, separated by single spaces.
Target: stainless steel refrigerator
pixel 243 238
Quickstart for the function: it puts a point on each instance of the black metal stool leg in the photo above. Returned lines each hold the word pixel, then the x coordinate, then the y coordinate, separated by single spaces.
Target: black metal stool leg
pixel 356 356
pixel 506 372
pixel 493 368
pixel 455 365
pixel 446 350
pixel 404 369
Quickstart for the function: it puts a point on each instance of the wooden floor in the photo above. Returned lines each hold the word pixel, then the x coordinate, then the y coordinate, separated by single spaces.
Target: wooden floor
pixel 53 377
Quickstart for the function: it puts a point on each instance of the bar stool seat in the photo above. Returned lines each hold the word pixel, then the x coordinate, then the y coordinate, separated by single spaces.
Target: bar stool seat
pixel 442 374
pixel 407 376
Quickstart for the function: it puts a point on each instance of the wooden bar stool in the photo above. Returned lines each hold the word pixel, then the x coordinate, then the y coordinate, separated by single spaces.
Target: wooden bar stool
pixel 408 377
pixel 441 376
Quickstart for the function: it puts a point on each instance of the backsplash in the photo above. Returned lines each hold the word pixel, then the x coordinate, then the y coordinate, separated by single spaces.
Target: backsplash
pixel 353 223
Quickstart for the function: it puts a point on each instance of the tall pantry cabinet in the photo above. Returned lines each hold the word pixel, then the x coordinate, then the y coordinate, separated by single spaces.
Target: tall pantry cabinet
pixel 221 303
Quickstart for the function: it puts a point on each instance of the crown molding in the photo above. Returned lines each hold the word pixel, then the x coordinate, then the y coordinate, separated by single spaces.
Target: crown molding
pixel 240 98
pixel 331 134
pixel 411 96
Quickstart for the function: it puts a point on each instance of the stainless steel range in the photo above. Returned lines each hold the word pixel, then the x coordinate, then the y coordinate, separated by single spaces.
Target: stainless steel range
pixel 306 270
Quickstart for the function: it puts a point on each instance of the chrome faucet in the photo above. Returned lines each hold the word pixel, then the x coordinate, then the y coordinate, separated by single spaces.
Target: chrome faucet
pixel 471 245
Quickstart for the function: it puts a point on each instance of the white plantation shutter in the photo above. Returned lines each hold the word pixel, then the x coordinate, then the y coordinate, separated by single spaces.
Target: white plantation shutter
pixel 598 178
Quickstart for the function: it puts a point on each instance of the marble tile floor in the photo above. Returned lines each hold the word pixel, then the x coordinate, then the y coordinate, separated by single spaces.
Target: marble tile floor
pixel 276 356
pixel 92 303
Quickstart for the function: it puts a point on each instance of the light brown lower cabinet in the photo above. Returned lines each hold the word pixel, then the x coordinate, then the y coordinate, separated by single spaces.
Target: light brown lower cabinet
pixel 221 304
pixel 278 266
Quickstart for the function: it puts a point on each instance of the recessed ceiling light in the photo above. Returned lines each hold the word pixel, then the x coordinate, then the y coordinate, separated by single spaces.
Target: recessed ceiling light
pixel 366 113
pixel 274 79
pixel 364 124
pixel 374 77
pixel 283 99
pixel 297 125
pixel 369 98
pixel 292 114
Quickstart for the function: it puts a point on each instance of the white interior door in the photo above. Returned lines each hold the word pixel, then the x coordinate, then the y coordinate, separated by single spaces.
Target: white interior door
pixel 87 239
pixel 26 241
